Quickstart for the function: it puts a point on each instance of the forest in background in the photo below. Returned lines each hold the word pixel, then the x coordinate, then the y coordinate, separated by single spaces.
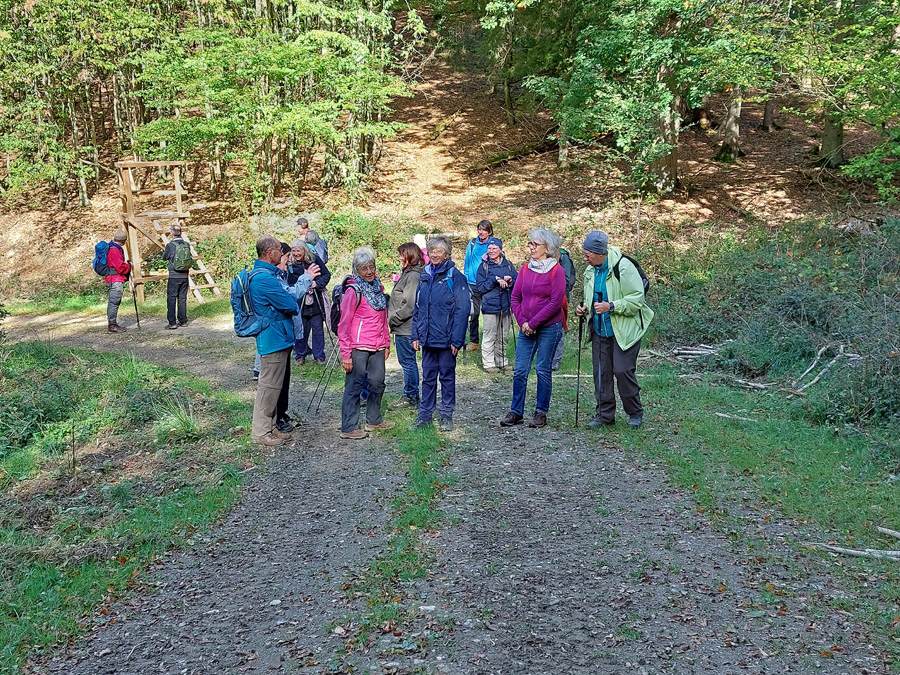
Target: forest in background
pixel 275 95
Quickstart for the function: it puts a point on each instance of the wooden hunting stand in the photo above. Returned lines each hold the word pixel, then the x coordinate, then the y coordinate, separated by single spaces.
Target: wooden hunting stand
pixel 149 224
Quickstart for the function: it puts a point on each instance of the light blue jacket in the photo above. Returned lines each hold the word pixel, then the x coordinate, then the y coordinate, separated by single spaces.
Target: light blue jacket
pixel 269 298
pixel 474 252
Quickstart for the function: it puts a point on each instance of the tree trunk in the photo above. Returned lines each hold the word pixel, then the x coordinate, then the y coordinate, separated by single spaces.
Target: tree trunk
pixel 665 169
pixel 562 161
pixel 832 153
pixel 731 130
pixel 768 122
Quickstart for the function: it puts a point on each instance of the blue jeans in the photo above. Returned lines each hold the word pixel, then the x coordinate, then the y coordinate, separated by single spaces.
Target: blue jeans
pixel 543 344
pixel 406 357
pixel 437 362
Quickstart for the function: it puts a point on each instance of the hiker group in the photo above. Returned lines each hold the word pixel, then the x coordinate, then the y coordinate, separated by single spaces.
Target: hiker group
pixel 434 309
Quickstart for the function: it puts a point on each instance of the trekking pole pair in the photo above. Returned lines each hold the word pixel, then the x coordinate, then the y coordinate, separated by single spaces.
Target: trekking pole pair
pixel 328 370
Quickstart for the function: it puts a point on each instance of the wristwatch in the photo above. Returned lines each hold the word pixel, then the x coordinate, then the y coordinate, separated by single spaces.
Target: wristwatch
pixel 612 306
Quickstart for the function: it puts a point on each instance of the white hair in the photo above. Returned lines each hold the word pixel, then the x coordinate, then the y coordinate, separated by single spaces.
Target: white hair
pixel 362 256
pixel 441 242
pixel 551 240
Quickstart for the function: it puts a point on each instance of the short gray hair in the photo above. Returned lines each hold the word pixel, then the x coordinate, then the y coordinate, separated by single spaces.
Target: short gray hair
pixel 312 237
pixel 362 256
pixel 441 242
pixel 551 240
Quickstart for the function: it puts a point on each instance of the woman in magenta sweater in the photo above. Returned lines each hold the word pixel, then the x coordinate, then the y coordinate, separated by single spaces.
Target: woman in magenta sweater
pixel 537 302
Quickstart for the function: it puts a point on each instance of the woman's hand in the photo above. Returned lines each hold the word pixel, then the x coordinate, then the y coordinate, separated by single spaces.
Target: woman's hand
pixel 601 307
pixel 528 330
pixel 415 345
pixel 347 365
pixel 502 282
pixel 454 350
pixel 387 353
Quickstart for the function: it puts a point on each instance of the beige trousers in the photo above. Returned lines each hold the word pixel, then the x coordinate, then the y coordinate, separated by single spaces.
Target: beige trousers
pixel 271 379
pixel 495 339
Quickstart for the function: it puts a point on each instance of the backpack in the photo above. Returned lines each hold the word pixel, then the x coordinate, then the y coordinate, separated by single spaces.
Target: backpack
pixel 637 266
pixel 337 296
pixel 101 252
pixel 183 261
pixel 247 323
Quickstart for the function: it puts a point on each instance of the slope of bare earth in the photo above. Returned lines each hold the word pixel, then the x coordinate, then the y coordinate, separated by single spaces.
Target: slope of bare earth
pixel 559 554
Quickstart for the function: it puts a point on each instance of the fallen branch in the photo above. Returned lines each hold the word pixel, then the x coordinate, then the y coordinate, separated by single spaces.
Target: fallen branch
pixel 444 124
pixel 811 366
pixel 756 385
pixel 858 553
pixel 823 371
pixel 541 146
pixel 733 417
pixel 890 533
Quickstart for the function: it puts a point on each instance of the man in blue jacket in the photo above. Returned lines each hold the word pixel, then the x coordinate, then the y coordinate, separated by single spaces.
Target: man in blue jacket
pixel 439 326
pixel 273 344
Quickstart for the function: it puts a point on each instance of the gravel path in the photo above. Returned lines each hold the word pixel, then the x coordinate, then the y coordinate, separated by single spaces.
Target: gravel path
pixel 559 555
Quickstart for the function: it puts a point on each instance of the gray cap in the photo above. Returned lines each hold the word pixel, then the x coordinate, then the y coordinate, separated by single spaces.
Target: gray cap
pixel 596 242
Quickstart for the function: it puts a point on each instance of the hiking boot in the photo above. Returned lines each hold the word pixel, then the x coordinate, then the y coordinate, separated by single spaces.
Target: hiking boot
pixel 284 426
pixel 172 326
pixel 300 360
pixel 269 440
pixel 355 434
pixel 255 376
pixel 182 323
pixel 421 424
pixel 636 421
pixel 538 421
pixel 596 423
pixel 115 328
pixel 404 402
pixel 320 362
pixel 383 426
pixel 511 420
pixel 492 369
pixel 445 424
pixel 280 433
pixel 473 347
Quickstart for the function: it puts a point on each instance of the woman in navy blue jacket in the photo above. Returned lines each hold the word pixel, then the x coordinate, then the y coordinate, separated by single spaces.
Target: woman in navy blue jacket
pixel 439 326
pixel 495 278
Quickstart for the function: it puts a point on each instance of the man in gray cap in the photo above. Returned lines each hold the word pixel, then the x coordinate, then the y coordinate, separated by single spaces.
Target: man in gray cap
pixel 618 318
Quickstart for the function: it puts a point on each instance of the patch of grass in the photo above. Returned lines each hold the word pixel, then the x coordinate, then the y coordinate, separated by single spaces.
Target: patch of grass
pixel 90 494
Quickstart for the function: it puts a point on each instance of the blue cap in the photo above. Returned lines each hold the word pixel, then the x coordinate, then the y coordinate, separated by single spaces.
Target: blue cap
pixel 494 241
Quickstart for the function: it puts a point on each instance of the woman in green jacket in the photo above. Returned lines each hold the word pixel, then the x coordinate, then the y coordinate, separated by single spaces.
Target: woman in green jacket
pixel 618 316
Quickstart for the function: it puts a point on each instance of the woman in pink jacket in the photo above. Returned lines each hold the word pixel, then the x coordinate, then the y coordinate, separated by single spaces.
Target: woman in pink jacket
pixel 365 344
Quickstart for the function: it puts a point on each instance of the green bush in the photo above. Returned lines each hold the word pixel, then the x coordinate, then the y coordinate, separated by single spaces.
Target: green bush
pixel 780 296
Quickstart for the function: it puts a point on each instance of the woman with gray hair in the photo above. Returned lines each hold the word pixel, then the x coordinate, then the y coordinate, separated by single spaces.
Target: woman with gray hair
pixel 439 326
pixel 538 302
pixel 365 345
pixel 312 306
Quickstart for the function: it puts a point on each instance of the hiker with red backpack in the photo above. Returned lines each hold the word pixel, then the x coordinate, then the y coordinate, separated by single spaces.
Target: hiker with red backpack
pixel 365 345
pixel 614 287
pixel 109 262
pixel 539 305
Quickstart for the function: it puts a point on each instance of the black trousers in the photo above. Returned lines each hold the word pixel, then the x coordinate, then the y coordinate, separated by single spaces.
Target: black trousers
pixel 176 292
pixel 610 360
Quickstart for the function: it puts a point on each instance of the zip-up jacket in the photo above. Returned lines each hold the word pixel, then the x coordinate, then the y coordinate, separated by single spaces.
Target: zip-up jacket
pixel 270 299
pixel 494 299
pixel 361 326
pixel 115 258
pixel 538 298
pixel 294 270
pixel 474 251
pixel 631 316
pixel 403 301
pixel 441 316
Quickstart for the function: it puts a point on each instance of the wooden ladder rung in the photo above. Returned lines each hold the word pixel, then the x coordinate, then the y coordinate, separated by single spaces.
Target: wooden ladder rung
pixel 163 215
pixel 206 285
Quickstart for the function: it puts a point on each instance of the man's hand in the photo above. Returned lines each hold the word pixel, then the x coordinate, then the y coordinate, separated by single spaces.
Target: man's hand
pixel 415 345
pixel 581 310
pixel 454 350
pixel 347 365
pixel 313 271
pixel 601 307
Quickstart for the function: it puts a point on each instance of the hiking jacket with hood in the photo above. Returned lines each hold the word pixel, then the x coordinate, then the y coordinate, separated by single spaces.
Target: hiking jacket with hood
pixel 494 299
pixel 631 316
pixel 294 270
pixel 269 298
pixel 474 251
pixel 403 301
pixel 443 303
pixel 361 326
pixel 115 258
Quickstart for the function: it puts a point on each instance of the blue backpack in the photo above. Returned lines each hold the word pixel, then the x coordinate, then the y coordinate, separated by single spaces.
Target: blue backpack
pixel 101 252
pixel 247 323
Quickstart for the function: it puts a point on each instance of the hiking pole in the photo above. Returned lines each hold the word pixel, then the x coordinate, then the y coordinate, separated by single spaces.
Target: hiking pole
pixel 321 377
pixel 134 297
pixel 328 379
pixel 578 378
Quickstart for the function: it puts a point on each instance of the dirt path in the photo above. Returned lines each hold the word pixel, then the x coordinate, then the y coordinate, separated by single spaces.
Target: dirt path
pixel 559 555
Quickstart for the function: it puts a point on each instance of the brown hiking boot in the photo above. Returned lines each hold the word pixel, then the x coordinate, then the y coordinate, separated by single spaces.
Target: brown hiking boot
pixel 473 347
pixel 269 440
pixel 115 328
pixel 355 435
pixel 278 433
pixel 539 420
pixel 380 427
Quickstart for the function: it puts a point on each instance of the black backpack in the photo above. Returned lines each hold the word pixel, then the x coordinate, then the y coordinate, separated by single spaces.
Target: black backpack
pixel 337 296
pixel 637 266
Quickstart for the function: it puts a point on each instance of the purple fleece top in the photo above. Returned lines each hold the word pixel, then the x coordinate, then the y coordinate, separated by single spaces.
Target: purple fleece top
pixel 538 298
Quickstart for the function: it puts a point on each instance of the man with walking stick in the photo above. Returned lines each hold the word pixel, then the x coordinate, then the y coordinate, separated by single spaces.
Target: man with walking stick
pixel 618 318
pixel 120 271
